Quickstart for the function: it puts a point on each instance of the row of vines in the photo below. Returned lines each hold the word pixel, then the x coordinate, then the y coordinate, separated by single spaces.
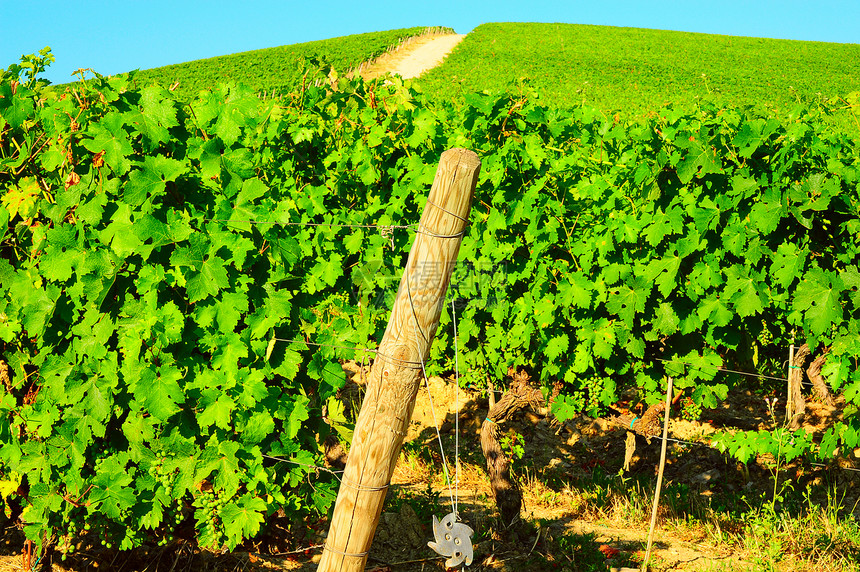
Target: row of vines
pixel 155 252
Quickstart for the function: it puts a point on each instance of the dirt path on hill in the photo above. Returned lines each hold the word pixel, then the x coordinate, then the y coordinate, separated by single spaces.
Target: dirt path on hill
pixel 414 58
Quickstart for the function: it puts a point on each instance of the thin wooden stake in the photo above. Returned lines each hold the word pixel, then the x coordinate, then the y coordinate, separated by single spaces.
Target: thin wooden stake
pixel 659 475
pixel 395 375
pixel 789 401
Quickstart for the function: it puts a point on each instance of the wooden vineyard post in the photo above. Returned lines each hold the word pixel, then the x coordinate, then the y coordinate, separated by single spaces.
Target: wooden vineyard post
pixel 396 372
pixel 792 384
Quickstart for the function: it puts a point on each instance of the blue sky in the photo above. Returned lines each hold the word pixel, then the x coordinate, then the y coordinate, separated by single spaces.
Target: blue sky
pixel 120 35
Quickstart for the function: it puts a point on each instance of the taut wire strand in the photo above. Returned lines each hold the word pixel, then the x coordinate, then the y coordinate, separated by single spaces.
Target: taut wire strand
pixel 456 416
pixel 331 224
pixel 446 211
pixel 723 369
pixel 429 395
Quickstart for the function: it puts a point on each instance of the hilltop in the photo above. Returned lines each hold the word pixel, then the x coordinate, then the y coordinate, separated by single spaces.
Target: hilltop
pixel 626 71
pixel 635 71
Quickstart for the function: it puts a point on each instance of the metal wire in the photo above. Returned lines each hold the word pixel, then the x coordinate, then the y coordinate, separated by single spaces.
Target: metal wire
pixel 843 468
pixel 317 467
pixel 723 369
pixel 446 211
pixel 351 554
pixel 352 485
pixel 298 550
pixel 419 330
pixel 436 426
pixel 709 446
pixel 329 224
pixel 416 364
pixel 456 415
pixel 422 230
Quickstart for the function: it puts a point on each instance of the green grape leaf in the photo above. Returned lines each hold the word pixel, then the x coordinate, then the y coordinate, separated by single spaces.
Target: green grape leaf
pixel 566 407
pixel 829 446
pixel 817 297
pixel 38 306
pixel 158 113
pixel 229 309
pixel 664 273
pixel 258 427
pixel 158 390
pixel 698 161
pixel 604 340
pixel 61 254
pixel 706 214
pixel 110 137
pixel 765 216
pixel 217 409
pixel 149 182
pixel 211 278
pixel 788 263
pixel 576 291
pixel 742 291
pixel 556 347
pixel 242 519
pixel 329 373
pixel 628 299
pixel 298 412
pixel 286 362
pixel 658 229
pixel 712 310
pixel 748 138
pixel 666 320
pixel 111 493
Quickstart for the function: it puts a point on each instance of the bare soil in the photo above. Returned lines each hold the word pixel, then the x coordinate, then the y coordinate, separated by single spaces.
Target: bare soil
pixel 413 58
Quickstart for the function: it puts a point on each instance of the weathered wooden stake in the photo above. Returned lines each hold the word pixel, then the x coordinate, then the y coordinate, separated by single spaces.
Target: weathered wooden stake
pixel 396 372
pixel 792 384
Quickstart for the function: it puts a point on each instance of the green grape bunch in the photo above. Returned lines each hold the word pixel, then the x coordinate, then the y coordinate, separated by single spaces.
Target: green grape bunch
pixel 210 526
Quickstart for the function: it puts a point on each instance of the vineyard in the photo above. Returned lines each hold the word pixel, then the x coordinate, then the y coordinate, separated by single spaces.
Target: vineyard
pixel 183 278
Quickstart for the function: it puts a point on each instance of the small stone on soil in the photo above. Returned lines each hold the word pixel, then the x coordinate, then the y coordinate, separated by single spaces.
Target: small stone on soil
pixel 706 477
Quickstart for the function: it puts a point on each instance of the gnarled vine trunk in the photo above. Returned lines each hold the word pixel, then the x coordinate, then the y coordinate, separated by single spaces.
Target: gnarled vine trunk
pixel 509 498
pixel 819 386
pixel 649 425
pixel 796 402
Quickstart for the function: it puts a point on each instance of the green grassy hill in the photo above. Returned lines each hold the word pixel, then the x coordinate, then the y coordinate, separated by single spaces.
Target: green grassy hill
pixel 635 70
pixel 279 68
pixel 631 71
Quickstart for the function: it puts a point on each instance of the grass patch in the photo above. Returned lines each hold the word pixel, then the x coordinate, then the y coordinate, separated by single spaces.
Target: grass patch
pixel 821 537
pixel 813 529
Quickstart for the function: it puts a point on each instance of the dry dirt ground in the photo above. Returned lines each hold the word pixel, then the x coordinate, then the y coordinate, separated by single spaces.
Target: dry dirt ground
pixel 565 453
pixel 413 58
